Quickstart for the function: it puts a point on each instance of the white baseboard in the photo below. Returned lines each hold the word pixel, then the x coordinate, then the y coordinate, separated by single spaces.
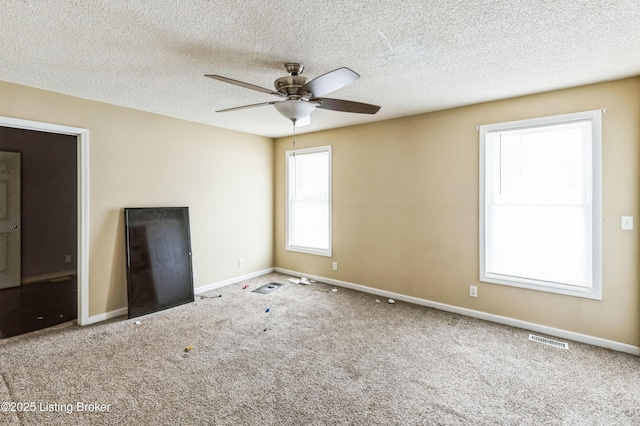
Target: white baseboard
pixel 230 281
pixel 565 334
pixel 123 311
pixel 107 315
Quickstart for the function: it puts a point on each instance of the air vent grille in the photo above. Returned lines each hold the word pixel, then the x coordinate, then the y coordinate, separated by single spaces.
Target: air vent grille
pixel 550 342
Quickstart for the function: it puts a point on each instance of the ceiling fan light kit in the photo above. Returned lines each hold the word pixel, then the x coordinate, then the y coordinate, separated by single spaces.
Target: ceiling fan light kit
pixel 301 97
pixel 294 110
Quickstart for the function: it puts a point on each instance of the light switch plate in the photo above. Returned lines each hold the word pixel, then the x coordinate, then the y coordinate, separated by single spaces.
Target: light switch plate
pixel 626 223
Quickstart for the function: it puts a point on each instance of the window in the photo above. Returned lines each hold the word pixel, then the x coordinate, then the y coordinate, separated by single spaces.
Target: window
pixel 309 200
pixel 540 204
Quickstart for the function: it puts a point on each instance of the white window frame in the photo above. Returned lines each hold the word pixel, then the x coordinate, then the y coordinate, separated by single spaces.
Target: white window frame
pixel 302 249
pixel 595 161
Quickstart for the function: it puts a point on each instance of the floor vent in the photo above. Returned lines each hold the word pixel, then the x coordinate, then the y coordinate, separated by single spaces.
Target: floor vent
pixel 267 288
pixel 544 340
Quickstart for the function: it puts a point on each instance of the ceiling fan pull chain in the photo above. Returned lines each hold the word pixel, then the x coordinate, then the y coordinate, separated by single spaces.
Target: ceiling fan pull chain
pixel 294 135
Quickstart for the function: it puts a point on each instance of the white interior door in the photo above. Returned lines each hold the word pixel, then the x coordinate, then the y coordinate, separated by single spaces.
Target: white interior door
pixel 9 219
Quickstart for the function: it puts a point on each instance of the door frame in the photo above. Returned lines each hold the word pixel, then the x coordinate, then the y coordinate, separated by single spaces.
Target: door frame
pixel 82 194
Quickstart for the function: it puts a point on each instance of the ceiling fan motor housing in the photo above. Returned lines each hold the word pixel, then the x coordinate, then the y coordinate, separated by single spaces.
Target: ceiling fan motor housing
pixel 289 85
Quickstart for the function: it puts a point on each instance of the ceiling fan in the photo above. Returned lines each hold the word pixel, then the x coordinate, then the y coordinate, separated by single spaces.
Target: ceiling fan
pixel 300 96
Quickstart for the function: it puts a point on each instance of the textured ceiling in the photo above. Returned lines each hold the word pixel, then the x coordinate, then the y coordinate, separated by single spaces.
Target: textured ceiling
pixel 413 56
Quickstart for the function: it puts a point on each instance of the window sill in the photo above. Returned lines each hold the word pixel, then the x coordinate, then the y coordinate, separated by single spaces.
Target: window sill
pixel 308 250
pixel 547 287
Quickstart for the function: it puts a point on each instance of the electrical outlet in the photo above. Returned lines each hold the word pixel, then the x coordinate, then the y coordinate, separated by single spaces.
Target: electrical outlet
pixel 626 223
pixel 240 263
pixel 473 291
pixel 335 266
pixel 67 258
pixel 194 272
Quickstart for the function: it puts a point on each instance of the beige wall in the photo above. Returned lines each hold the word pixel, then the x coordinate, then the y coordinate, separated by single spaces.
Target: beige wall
pixel 139 159
pixel 405 200
pixel 405 210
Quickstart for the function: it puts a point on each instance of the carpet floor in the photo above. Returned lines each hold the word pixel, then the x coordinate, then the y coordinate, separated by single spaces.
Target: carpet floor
pixel 317 357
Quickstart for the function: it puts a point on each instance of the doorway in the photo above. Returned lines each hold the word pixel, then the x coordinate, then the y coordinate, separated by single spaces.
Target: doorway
pixel 53 226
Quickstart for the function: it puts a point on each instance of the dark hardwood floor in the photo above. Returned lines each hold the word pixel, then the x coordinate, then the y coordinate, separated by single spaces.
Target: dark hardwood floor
pixel 32 307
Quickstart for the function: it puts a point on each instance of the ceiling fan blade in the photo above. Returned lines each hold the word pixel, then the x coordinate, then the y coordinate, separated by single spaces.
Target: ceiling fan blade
pixel 303 121
pixel 245 85
pixel 345 106
pixel 329 82
pixel 247 106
